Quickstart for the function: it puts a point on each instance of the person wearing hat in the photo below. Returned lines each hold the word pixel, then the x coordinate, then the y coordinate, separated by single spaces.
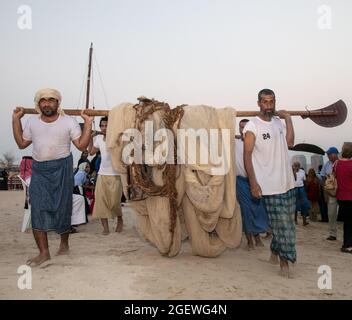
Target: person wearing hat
pixel 327 169
pixel 50 191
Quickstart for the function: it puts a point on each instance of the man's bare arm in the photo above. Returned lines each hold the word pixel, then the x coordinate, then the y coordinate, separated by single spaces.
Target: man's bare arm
pixel 91 149
pixel 290 134
pixel 17 130
pixel 82 142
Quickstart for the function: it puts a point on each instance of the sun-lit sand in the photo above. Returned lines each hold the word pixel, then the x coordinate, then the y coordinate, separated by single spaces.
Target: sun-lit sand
pixel 123 266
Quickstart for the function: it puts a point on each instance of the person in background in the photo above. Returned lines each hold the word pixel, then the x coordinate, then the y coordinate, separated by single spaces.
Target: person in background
pixel 81 177
pixel 313 194
pixel 332 153
pixel 82 159
pixel 81 184
pixel 302 203
pixel 322 201
pixel 26 169
pixel 95 163
pixel 343 173
pixel 89 190
pixel 4 179
pixel 109 186
pixel 254 216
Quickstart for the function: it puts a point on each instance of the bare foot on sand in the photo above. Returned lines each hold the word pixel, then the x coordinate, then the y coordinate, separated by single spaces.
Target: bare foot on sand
pixel 36 261
pixel 268 236
pixel 285 274
pixel 105 232
pixel 258 241
pixel 119 225
pixel 63 250
pixel 284 270
pixel 274 259
pixel 250 247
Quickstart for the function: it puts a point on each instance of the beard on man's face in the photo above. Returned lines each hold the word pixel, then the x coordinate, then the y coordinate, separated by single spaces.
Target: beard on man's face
pixel 269 113
pixel 48 111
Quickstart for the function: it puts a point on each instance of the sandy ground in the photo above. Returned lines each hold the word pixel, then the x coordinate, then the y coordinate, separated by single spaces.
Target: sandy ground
pixel 123 266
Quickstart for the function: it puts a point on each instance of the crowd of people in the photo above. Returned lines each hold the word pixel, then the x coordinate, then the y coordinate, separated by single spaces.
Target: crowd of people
pixel 270 191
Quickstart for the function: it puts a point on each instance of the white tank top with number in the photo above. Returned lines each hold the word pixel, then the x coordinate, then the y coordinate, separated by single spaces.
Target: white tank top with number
pixel 270 156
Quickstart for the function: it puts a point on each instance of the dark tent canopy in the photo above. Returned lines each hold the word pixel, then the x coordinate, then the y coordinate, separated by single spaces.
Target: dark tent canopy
pixel 306 147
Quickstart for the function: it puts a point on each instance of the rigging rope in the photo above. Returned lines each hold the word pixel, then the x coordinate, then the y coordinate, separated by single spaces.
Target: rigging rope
pixel 101 80
pixel 80 99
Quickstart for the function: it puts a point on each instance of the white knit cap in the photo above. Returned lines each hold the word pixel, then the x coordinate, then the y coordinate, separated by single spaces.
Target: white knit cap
pixel 47 93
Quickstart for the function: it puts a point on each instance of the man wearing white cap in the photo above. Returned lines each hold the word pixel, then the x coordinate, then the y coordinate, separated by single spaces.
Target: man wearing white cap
pixel 50 191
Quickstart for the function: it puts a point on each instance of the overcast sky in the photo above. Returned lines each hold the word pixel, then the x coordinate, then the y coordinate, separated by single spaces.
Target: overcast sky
pixel 219 53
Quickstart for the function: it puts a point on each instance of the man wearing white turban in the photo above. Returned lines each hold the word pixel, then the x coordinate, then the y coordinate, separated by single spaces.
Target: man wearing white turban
pixel 51 133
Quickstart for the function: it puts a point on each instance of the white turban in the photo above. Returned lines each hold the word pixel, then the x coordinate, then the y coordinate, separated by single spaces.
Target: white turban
pixel 82 166
pixel 47 93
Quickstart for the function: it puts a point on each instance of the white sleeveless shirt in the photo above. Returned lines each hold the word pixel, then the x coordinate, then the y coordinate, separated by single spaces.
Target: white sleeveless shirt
pixel 270 156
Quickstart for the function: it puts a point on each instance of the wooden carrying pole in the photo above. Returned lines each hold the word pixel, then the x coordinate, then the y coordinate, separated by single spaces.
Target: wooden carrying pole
pixel 328 117
pixel 103 113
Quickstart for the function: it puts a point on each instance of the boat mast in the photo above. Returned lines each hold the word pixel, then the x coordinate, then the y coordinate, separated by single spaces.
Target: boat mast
pixel 89 74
